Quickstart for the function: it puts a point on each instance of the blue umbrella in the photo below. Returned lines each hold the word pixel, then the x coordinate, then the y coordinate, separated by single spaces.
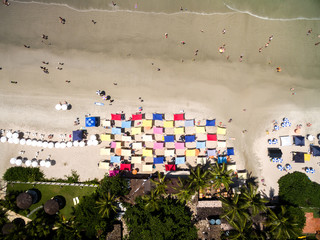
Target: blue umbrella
pixel 269 141
pixel 288 166
pixel 275 141
pixel 212 221
pixel 276 127
pixel 307 170
pixel 312 170
pixel 280 160
pixel 274 160
pixel 218 221
pixel 280 167
pixel 283 124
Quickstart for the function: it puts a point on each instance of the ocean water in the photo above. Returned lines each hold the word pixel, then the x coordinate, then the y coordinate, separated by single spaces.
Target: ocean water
pixel 286 10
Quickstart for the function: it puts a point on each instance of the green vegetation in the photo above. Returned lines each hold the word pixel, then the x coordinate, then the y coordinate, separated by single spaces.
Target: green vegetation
pixel 23 174
pixel 297 189
pixel 170 220
pixel 314 210
pixel 49 191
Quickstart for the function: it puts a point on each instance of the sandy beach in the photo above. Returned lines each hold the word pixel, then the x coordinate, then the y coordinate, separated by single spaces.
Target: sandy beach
pixel 128 48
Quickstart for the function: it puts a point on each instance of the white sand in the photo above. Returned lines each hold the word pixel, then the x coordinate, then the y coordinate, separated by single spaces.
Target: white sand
pixel 121 47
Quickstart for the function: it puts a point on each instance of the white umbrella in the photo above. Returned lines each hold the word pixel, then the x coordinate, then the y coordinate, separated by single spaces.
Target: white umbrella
pixel 50 145
pixel 45 144
pixel 3 139
pixel 22 141
pixel 48 164
pixel 42 163
pixel 82 144
pixel 9 134
pixel 64 107
pixel 13 161
pixel 69 144
pixel 89 143
pixel 310 138
pixel 63 145
pixel 57 145
pixel 34 164
pixel 93 137
pixel 39 143
pixel 95 142
pixel 16 141
pixel 10 140
pixel 18 162
pixel 15 135
pixel 76 143
pixel 29 142
pixel 58 107
pixel 28 163
pixel 34 143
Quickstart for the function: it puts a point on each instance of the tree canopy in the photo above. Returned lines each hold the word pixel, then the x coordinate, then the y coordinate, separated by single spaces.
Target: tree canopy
pixel 172 220
pixel 297 189
pixel 23 174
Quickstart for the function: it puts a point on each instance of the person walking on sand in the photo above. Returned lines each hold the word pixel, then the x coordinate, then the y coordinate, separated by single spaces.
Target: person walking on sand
pixel 270 38
pixel 26 46
pixel 166 35
pixel 309 31
pixel 241 58
pixel 224 31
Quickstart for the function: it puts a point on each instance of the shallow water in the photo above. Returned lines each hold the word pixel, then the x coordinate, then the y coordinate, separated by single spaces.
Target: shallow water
pixel 268 10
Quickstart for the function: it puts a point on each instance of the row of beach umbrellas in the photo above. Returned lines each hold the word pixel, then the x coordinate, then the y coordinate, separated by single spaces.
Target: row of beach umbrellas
pixel 28 163
pixel 287 166
pixel 45 144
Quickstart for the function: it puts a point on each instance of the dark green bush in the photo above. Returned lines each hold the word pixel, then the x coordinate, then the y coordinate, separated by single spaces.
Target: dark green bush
pixel 298 215
pixel 297 189
pixel 23 174
pixel 115 185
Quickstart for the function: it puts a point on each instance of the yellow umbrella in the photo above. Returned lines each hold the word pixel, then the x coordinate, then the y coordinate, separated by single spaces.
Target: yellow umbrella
pixel 221 131
pixel 105 137
pixel 135 130
pixel 179 131
pixel 147 123
pixel 147 153
pixel 200 129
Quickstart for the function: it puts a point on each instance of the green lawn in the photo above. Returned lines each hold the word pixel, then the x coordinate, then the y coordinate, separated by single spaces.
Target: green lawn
pixel 49 191
pixel 316 211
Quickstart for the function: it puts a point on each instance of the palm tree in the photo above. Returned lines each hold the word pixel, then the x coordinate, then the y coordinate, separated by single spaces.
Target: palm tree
pixel 198 179
pixel 282 226
pixel 106 204
pixel 242 229
pixel 66 229
pixel 235 208
pixel 184 193
pixel 220 175
pixel 152 201
pixel 251 195
pixel 161 184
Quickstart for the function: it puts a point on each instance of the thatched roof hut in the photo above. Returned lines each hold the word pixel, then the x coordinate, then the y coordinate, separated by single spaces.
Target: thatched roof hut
pixel 51 207
pixel 24 200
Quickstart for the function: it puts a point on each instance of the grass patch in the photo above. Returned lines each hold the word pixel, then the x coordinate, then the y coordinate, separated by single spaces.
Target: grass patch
pixel 314 210
pixel 49 191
